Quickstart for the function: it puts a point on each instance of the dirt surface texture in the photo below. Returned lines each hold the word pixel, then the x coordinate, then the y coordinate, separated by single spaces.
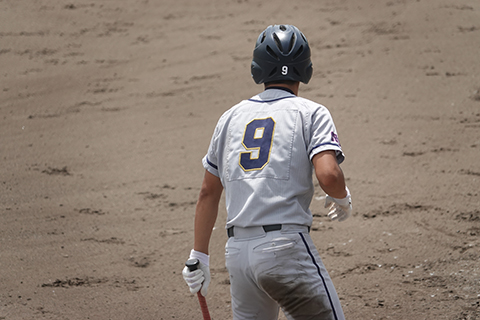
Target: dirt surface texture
pixel 107 108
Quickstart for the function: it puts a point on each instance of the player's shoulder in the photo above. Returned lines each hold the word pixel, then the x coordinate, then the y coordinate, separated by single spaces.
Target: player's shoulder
pixel 233 109
pixel 310 106
pixel 229 113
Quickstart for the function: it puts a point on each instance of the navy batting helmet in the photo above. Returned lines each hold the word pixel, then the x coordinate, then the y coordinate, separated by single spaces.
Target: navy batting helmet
pixel 281 53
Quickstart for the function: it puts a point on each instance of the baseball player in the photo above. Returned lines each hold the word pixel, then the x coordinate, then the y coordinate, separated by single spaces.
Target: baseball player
pixel 263 153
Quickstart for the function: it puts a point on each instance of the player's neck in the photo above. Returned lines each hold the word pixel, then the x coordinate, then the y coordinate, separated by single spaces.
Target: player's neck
pixel 291 87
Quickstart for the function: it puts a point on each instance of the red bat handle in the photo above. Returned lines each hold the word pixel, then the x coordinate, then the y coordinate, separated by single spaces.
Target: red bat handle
pixel 192 265
pixel 203 306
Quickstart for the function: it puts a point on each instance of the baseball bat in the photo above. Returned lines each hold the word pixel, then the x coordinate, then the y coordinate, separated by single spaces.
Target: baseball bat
pixel 192 265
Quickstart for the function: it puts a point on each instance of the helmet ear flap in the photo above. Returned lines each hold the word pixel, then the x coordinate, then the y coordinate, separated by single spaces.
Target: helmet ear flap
pixel 308 73
pixel 257 73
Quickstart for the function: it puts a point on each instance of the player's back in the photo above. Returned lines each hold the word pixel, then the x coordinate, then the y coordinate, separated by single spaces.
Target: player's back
pixel 261 149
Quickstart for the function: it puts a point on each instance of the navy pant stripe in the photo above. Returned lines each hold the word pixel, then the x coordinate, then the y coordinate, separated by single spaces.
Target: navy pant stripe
pixel 320 274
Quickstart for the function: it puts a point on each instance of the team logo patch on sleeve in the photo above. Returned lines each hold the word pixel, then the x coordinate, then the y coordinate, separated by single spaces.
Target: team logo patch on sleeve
pixel 335 137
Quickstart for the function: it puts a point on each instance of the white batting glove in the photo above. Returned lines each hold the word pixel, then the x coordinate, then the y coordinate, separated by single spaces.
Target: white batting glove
pixel 200 278
pixel 339 209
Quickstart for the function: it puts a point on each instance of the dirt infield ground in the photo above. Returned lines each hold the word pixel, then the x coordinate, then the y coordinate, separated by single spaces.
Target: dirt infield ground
pixel 107 108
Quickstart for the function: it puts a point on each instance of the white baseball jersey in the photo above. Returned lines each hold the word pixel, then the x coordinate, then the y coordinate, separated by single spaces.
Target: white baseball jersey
pixel 261 150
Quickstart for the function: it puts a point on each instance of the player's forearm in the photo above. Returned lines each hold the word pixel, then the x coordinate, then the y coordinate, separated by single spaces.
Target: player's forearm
pixel 334 185
pixel 206 211
pixel 329 174
pixel 205 217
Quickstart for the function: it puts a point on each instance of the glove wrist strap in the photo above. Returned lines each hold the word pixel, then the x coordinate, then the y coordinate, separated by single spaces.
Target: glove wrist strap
pixel 345 201
pixel 202 257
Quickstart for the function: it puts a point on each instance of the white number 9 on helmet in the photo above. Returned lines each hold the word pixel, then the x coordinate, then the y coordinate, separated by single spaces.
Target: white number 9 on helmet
pixel 285 70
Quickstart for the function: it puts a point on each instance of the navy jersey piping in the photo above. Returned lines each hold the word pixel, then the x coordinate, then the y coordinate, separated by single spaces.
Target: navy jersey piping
pixel 212 165
pixel 321 276
pixel 323 144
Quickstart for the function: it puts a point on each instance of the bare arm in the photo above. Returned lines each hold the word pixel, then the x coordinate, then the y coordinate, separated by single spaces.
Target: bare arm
pixel 206 211
pixel 329 174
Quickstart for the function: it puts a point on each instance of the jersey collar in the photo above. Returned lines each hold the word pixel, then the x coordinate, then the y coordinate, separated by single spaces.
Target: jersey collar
pixel 278 93
pixel 280 88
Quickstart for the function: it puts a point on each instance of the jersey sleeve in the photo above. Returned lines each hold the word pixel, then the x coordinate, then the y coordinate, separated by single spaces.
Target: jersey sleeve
pixel 210 166
pixel 210 160
pixel 324 135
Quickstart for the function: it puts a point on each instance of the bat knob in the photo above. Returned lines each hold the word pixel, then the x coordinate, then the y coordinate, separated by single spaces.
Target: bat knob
pixel 192 264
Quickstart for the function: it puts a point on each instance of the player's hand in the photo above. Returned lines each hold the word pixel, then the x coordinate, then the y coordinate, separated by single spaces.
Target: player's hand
pixel 339 209
pixel 198 280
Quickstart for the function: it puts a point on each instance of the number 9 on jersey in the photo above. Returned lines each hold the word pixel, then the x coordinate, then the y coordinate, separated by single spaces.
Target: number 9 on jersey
pixel 257 140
